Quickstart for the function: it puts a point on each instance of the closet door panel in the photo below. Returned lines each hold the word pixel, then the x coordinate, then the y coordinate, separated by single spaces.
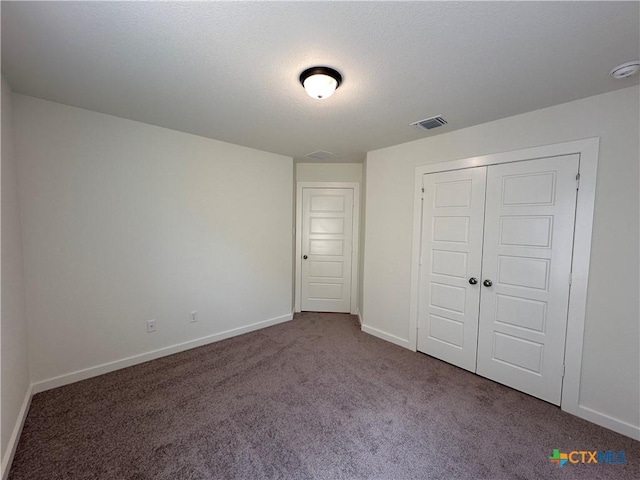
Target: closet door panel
pixel 528 241
pixel 453 215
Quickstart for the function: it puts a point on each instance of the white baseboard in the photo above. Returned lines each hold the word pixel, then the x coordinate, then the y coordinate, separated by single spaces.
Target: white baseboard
pixel 385 336
pixel 90 372
pixel 360 319
pixel 7 459
pixel 606 421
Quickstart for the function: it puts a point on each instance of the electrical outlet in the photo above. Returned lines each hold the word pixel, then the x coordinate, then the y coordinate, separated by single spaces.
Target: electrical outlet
pixel 193 317
pixel 151 326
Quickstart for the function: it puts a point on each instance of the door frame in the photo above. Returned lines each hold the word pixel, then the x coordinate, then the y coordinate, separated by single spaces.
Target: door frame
pixel 588 150
pixel 354 239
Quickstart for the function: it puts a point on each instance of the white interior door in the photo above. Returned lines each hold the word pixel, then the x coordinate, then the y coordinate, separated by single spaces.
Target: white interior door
pixel 453 217
pixel 528 241
pixel 327 234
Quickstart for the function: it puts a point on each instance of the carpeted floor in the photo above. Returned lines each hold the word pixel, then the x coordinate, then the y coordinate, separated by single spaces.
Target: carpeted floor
pixel 311 398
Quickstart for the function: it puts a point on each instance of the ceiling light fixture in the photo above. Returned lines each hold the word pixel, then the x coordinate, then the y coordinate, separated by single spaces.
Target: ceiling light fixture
pixel 626 69
pixel 320 82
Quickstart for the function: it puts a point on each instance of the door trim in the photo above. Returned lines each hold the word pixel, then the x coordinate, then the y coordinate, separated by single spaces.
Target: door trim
pixel 588 150
pixel 354 241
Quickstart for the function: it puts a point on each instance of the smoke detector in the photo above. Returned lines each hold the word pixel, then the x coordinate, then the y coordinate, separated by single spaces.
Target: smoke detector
pixel 429 123
pixel 626 69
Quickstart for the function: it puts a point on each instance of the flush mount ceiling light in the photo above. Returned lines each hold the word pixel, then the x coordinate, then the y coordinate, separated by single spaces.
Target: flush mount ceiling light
pixel 626 69
pixel 320 82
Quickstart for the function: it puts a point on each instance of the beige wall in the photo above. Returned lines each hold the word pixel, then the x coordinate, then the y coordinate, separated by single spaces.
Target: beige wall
pixel 15 369
pixel 610 382
pixel 125 222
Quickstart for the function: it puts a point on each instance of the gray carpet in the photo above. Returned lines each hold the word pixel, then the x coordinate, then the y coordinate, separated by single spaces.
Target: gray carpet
pixel 311 398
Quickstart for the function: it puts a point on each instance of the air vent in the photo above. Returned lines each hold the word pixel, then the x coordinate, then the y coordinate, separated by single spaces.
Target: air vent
pixel 321 155
pixel 429 123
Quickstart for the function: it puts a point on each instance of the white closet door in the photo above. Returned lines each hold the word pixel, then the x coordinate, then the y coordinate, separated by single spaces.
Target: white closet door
pixel 453 215
pixel 529 222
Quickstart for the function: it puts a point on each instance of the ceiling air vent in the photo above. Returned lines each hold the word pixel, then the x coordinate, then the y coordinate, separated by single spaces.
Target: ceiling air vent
pixel 321 155
pixel 429 123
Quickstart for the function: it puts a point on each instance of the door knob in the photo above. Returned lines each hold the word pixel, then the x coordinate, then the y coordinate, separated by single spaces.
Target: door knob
pixel 473 280
pixel 487 283
pixel 305 257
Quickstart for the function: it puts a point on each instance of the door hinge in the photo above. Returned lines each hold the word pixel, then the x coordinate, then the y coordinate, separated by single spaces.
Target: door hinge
pixel 563 369
pixel 570 278
pixel 422 196
pixel 578 181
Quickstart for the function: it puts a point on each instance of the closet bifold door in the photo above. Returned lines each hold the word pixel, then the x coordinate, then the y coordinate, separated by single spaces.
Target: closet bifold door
pixel 451 258
pixel 527 251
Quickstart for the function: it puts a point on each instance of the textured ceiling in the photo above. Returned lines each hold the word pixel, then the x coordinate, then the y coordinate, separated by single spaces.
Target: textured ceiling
pixel 229 70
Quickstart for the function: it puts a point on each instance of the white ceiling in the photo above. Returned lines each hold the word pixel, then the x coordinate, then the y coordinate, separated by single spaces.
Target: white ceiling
pixel 229 70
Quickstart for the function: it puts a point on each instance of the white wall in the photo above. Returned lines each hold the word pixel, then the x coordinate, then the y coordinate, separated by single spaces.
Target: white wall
pixel 363 228
pixel 125 222
pixel 610 382
pixel 14 354
pixel 329 172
